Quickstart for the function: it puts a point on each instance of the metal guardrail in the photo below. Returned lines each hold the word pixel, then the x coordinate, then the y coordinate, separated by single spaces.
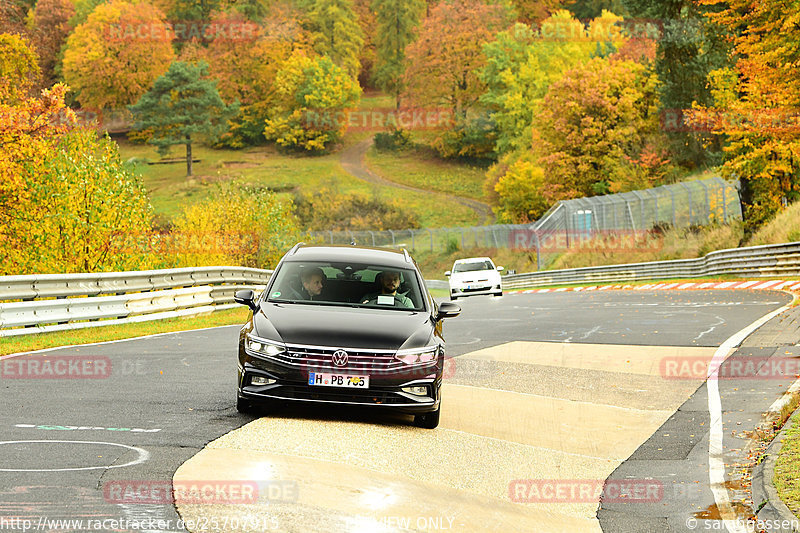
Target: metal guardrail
pixel 756 261
pixel 55 302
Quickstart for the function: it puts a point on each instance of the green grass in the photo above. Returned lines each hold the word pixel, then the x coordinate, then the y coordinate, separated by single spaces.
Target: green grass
pixel 40 341
pixel 170 190
pixel 787 467
pixel 421 168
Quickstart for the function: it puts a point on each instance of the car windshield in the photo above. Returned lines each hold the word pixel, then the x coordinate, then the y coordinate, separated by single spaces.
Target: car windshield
pixel 473 266
pixel 350 284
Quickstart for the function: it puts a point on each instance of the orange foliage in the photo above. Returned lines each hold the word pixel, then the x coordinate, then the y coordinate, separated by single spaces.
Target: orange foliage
pixel 114 57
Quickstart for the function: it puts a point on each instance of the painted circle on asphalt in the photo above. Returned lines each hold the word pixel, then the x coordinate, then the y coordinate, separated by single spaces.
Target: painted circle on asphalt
pixel 141 455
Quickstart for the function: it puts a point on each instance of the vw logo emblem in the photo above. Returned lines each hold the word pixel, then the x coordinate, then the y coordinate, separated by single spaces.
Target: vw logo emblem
pixel 339 358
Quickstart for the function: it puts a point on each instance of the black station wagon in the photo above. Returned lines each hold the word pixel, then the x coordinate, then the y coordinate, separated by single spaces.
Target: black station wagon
pixel 344 325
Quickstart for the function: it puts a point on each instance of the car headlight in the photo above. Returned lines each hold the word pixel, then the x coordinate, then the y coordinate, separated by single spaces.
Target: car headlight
pixel 418 355
pixel 264 347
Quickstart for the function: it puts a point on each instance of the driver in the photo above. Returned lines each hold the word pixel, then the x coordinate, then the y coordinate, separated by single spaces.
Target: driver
pixel 389 282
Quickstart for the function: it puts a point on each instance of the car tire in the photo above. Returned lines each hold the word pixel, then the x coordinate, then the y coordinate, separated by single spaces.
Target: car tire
pixel 453 298
pixel 243 406
pixel 428 420
pixel 498 293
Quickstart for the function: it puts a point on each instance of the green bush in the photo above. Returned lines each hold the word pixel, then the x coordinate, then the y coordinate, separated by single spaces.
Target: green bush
pixel 393 141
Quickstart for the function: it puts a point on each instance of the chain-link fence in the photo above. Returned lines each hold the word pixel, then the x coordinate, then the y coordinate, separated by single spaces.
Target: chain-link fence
pixel 571 222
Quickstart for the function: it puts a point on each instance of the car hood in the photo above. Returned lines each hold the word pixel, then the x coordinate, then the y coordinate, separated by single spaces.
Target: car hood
pixel 343 327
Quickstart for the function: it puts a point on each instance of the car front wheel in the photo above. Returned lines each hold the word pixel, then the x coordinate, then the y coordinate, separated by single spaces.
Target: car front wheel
pixel 428 420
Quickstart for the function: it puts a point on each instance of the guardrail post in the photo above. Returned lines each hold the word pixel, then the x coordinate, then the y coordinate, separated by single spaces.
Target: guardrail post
pixel 392 234
pixel 431 233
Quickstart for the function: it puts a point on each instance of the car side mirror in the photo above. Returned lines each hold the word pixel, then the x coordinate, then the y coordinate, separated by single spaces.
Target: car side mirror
pixel 500 269
pixel 448 310
pixel 447 273
pixel 246 297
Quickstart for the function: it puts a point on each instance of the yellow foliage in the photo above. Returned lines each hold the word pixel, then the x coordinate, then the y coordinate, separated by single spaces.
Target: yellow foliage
pixel 115 56
pixel 243 227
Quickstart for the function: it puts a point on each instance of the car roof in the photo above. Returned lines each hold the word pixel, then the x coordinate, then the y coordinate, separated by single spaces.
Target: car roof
pixel 472 260
pixel 358 254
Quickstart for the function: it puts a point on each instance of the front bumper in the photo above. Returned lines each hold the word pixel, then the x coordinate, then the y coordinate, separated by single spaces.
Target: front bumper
pixel 385 387
pixel 463 291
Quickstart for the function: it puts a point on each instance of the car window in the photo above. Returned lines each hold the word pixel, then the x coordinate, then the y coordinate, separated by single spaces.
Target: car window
pixel 351 284
pixel 473 266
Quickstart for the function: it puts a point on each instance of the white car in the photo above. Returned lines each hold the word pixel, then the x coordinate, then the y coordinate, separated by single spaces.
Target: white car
pixel 476 275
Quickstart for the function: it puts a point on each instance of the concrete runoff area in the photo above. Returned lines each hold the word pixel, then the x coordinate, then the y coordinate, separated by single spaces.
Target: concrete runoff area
pixel 464 475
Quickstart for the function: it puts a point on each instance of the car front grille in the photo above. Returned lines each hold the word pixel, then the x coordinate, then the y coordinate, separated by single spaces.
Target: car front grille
pixel 374 397
pixel 320 358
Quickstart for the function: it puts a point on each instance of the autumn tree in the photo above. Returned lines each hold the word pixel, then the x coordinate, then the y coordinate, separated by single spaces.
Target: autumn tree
pixel 51 28
pixel 109 61
pixel 181 107
pixel 443 67
pixel 689 47
pixel 598 131
pixel 186 10
pixel 443 63
pixel 367 58
pixel 336 33
pixel 534 11
pixel 64 193
pixel 246 69
pixel 312 96
pixel 83 8
pixel 19 70
pixel 755 102
pixel 517 188
pixel 12 16
pixel 397 28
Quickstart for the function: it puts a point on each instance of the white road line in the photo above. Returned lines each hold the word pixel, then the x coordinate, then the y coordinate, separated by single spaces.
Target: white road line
pixel 716 457
pixel 143 455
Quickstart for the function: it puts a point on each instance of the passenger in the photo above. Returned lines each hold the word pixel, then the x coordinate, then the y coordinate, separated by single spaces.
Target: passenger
pixel 313 281
pixel 389 282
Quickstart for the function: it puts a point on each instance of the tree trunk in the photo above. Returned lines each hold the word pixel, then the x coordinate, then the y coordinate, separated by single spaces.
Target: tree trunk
pixel 188 156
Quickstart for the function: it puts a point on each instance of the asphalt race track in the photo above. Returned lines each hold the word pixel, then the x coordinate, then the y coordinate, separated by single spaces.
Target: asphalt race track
pixel 548 397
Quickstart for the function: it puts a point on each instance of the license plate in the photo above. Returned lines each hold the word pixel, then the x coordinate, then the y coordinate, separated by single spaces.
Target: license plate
pixel 338 380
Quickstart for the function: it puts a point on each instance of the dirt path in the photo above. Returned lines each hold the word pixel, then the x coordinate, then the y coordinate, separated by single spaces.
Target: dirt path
pixel 352 160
